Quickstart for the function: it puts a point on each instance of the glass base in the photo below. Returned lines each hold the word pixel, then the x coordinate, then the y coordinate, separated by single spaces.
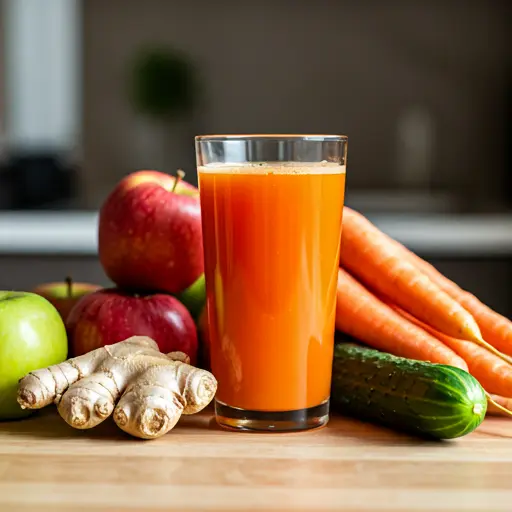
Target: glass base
pixel 271 421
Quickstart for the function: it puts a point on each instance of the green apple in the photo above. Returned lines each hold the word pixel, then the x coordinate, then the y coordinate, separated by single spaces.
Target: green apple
pixel 32 336
pixel 194 297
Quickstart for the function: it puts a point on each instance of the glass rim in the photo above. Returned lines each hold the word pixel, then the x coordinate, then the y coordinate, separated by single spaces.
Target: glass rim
pixel 271 137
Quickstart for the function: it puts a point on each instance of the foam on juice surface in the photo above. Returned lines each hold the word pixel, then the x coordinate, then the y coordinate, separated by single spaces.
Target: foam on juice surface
pixel 274 168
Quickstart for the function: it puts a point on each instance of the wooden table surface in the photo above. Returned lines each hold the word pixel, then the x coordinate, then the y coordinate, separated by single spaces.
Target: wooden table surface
pixel 47 466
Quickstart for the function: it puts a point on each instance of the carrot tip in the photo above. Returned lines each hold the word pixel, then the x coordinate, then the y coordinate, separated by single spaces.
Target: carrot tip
pixel 495 351
pixel 497 405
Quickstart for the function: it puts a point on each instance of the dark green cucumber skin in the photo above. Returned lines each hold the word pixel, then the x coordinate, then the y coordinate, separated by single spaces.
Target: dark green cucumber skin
pixel 426 399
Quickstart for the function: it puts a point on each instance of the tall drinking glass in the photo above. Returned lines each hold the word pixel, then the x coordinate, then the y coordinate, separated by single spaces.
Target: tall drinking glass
pixel 271 213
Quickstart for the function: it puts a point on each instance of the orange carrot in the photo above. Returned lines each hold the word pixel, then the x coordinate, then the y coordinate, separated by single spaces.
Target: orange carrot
pixel 497 403
pixel 367 254
pixel 494 374
pixel 362 315
pixel 495 328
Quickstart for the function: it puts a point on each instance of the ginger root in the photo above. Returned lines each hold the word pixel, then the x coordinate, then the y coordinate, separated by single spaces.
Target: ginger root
pixel 152 389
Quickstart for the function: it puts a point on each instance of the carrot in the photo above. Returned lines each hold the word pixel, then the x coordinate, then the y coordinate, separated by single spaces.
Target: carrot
pixel 494 374
pixel 496 405
pixel 369 255
pixel 495 328
pixel 362 315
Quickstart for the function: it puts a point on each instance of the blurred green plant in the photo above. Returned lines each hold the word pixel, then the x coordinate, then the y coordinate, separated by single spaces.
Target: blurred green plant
pixel 163 83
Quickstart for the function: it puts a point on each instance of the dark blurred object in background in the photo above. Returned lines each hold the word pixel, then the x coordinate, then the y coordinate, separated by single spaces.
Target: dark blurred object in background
pixel 164 93
pixel 37 182
pixel 163 83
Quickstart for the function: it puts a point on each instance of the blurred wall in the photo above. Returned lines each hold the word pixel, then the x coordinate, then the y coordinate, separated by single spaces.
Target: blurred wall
pixel 360 68
pixel 2 82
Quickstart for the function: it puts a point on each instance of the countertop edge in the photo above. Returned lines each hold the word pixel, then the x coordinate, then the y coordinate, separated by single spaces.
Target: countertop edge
pixel 75 233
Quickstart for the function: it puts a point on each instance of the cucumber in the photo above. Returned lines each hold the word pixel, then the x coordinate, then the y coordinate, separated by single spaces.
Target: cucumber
pixel 431 400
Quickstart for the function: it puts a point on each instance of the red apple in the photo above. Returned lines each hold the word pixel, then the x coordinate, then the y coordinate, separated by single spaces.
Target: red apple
pixel 111 315
pixel 150 234
pixel 64 295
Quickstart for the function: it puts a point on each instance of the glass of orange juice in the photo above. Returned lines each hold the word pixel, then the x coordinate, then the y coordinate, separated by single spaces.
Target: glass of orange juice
pixel 271 208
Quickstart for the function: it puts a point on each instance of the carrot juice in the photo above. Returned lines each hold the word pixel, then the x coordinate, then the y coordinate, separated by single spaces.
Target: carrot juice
pixel 271 234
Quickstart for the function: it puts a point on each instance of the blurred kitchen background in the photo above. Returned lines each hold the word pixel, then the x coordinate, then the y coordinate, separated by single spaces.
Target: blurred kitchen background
pixel 92 90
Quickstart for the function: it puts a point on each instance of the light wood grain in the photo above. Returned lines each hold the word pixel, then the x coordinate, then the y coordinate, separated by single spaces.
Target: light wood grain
pixel 47 466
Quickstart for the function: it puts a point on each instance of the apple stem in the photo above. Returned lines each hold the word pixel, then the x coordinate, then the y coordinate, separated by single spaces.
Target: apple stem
pixel 180 174
pixel 69 283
